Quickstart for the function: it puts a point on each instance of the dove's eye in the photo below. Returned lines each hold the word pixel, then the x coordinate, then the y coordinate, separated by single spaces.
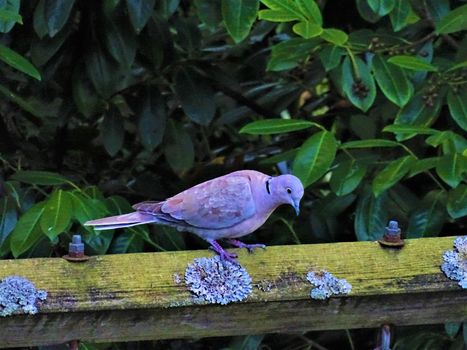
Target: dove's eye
pixel 289 190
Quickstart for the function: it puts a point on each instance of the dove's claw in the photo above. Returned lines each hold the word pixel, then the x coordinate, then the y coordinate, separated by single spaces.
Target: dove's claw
pixel 223 253
pixel 249 247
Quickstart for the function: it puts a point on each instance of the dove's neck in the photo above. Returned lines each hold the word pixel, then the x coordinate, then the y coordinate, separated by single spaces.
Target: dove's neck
pixel 265 199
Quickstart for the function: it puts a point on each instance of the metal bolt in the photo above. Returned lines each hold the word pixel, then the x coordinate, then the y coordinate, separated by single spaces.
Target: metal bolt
pixel 384 338
pixel 392 235
pixel 76 250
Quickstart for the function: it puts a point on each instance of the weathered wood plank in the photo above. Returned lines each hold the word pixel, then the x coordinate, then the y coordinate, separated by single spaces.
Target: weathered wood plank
pixel 135 297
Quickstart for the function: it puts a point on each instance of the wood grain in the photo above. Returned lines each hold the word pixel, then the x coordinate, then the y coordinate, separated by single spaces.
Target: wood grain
pixel 135 296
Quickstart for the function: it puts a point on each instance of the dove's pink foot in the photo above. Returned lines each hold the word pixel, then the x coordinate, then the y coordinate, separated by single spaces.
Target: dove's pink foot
pixel 250 247
pixel 223 253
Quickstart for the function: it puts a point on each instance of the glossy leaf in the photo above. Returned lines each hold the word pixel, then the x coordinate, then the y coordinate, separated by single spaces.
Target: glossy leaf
pixel 140 11
pixel 400 14
pixel 87 100
pixel 450 168
pixel 195 94
pixel 289 54
pixel 57 214
pixel 437 9
pixel 399 128
pixel 422 165
pixel 9 14
pixel 291 7
pixel 277 16
pixel 239 16
pixel 335 36
pixel 27 231
pixel 8 217
pixel 120 41
pixel 209 12
pixel 454 21
pixel 56 14
pixel 392 81
pixel 457 103
pixel 178 148
pixel 18 62
pixel 311 10
pixel 457 202
pixel 39 23
pixel 370 144
pixel 307 29
pixel 331 56
pixel 35 177
pixel 429 217
pixel 85 209
pixel 275 126
pixel 412 63
pixel 43 50
pixel 314 157
pixel 371 216
pixel 152 119
pixel 359 86
pixel 391 174
pixel 112 132
pixel 381 7
pixel 346 177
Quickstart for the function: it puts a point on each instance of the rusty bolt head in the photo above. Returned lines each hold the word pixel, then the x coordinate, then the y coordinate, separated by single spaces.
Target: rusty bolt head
pixel 392 235
pixel 76 250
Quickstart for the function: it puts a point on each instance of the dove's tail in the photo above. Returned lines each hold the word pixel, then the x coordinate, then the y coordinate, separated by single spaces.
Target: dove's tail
pixel 120 221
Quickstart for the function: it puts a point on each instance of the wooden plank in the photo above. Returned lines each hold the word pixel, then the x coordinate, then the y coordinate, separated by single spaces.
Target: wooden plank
pixel 135 297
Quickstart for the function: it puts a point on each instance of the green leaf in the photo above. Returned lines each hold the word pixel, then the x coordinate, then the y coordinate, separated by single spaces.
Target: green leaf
pixel 454 21
pixel 277 158
pixel 418 112
pixel 195 94
pixel 381 7
pixel 429 217
pixel 311 10
pixel 366 12
pixel 239 16
pixel 275 126
pixel 450 168
pixel 98 244
pixel 86 99
pixel 314 157
pixel 152 119
pixel 57 214
pixel 43 50
pixel 458 66
pixel 27 232
pixel 40 26
pixel 9 14
pixel 421 130
pixel 18 62
pixel 44 178
pixel 335 36
pixel 112 132
pixel 209 12
pixel 412 63
pixel 400 14
pixel 457 202
pixel 120 41
pixel 391 174
pixel 126 242
pixel 85 209
pixel 178 148
pixel 277 16
pixel 392 81
pixel 371 216
pixel 359 86
pixel 140 11
pixel 8 217
pixel 307 30
pixel 370 143
pixel 56 14
pixel 422 165
pixel 286 5
pixel 436 9
pixel 452 328
pixel 457 103
pixel 288 54
pixel 346 177
pixel 450 141
pixel 331 56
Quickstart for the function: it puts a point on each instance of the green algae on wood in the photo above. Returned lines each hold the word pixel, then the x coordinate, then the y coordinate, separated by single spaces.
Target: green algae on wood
pixel 135 297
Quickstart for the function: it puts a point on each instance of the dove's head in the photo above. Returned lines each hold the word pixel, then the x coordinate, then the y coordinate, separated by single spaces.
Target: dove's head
pixel 288 189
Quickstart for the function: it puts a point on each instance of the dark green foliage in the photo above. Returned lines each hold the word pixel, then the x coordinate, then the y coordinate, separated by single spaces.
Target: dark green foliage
pixel 107 103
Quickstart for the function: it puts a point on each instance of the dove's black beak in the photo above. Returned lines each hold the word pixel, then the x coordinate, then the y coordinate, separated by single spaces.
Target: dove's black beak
pixel 296 205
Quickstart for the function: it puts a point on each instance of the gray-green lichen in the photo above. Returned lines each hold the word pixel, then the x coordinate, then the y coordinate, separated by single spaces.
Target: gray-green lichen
pixel 18 294
pixel 325 285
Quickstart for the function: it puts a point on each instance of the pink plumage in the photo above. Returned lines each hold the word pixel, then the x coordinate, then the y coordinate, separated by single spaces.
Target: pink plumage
pixel 229 206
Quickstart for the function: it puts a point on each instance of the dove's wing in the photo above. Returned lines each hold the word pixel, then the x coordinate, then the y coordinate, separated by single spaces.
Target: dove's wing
pixel 220 203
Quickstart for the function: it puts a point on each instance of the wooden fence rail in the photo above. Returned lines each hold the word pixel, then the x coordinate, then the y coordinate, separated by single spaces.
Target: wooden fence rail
pixel 136 297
